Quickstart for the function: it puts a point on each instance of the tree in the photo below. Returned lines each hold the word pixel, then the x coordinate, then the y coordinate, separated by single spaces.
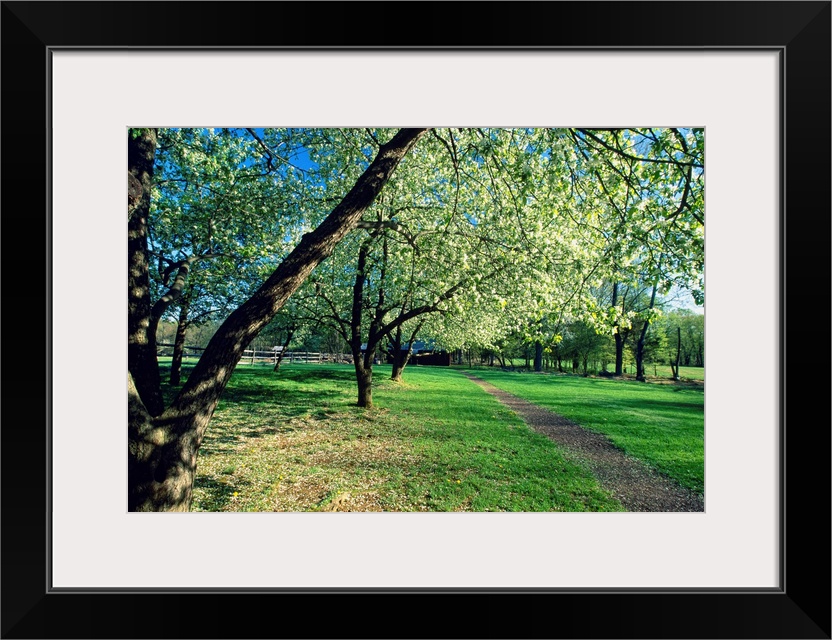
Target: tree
pixel 222 215
pixel 400 349
pixel 674 363
pixel 684 332
pixel 642 339
pixel 437 241
pixel 650 187
pixel 285 327
pixel 163 443
pixel 479 234
pixel 581 343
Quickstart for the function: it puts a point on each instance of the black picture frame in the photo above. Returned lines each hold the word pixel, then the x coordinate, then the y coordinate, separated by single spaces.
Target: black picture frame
pixel 800 608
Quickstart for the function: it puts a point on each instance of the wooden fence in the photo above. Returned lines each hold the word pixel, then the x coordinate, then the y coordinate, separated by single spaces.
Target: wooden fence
pixel 251 356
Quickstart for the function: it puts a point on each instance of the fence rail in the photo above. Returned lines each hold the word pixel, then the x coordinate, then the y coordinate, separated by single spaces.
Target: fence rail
pixel 251 356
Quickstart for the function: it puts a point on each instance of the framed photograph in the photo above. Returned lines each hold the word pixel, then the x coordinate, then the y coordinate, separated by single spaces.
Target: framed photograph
pixel 754 75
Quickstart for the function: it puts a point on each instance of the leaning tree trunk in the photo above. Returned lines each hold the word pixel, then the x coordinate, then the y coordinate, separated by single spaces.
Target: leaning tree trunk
pixel 162 451
pixel 400 360
pixel 289 333
pixel 179 345
pixel 401 357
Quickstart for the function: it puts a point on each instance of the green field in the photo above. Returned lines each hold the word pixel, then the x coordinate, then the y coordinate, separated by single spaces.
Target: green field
pixel 294 441
pixel 661 424
pixel 685 373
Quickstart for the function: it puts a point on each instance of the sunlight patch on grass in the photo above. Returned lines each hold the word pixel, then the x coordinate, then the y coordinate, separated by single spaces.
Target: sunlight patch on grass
pixel 294 441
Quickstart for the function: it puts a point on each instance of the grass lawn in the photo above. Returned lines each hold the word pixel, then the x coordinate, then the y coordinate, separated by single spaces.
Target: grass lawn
pixel 685 373
pixel 294 441
pixel 661 424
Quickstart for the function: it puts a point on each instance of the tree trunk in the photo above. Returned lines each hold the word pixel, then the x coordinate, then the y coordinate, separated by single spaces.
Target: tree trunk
pixel 179 345
pixel 619 340
pixel 619 353
pixel 364 378
pixel 162 451
pixel 538 356
pixel 400 358
pixel 289 333
pixel 676 375
pixel 397 356
pixel 400 361
pixel 142 362
pixel 161 456
pixel 640 375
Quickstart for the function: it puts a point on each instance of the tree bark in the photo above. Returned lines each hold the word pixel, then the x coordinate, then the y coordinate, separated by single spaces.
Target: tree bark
pixel 619 339
pixel 163 450
pixel 290 331
pixel 179 345
pixel 364 377
pixel 640 375
pixel 400 360
pixel 142 362
pixel 399 356
pixel 619 353
pixel 161 464
pixel 676 375
pixel 538 356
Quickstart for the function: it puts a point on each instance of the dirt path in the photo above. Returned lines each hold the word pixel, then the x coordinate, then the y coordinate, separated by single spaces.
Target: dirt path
pixel 638 487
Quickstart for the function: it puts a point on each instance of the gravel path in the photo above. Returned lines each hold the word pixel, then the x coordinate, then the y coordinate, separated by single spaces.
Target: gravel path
pixel 638 487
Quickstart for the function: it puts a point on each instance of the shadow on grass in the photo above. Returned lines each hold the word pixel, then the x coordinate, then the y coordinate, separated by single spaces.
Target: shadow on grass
pixel 303 376
pixel 283 390
pixel 218 494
